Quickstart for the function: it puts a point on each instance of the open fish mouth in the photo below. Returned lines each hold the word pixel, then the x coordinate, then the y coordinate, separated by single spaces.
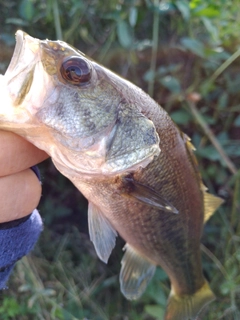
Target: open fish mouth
pixel 17 51
pixel 25 47
pixel 19 75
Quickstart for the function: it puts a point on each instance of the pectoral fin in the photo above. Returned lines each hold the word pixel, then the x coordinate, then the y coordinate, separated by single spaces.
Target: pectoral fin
pixel 102 234
pixel 148 196
pixel 136 272
pixel 211 204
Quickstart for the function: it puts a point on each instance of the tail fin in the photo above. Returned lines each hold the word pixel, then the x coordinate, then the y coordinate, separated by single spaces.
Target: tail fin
pixel 187 307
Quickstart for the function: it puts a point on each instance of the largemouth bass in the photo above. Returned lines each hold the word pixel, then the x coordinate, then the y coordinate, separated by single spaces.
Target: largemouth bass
pixel 126 156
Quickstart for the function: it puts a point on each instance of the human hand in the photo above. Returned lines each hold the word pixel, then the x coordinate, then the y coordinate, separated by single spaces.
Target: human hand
pixel 20 189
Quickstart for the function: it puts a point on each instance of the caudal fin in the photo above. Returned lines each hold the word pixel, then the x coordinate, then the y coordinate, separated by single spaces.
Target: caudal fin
pixel 187 307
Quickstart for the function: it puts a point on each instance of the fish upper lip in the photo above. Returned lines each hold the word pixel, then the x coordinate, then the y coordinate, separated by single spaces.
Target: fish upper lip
pixel 23 41
pixel 17 50
pixel 20 71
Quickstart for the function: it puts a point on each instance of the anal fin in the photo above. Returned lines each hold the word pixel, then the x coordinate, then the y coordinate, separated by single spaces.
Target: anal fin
pixel 102 234
pixel 136 272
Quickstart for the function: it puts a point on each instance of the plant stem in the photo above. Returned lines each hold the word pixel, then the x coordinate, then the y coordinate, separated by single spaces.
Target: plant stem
pixel 57 22
pixel 224 65
pixel 215 260
pixel 154 48
pixel 211 136
pixel 236 203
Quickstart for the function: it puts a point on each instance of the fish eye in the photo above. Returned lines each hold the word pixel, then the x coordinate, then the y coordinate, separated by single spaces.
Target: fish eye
pixel 76 71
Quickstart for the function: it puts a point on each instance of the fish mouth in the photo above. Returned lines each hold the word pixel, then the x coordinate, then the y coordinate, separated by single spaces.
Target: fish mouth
pixel 17 51
pixel 19 75
pixel 24 43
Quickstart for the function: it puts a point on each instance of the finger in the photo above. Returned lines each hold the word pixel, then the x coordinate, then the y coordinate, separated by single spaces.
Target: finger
pixel 20 195
pixel 17 154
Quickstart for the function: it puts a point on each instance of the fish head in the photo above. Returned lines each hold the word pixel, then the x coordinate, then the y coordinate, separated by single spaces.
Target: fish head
pixel 83 118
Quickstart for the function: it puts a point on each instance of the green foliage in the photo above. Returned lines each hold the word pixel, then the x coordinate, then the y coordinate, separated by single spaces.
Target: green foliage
pixel 196 64
pixel 10 309
pixel 155 311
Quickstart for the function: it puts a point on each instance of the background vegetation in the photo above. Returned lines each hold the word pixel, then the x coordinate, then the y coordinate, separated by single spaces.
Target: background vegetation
pixel 186 55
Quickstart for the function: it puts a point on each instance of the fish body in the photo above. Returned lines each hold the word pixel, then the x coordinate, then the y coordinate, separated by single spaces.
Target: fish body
pixel 127 157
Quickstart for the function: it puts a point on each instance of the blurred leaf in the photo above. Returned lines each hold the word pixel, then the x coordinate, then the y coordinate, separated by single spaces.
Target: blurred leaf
pixel 172 68
pixel 156 293
pixel 155 289
pixel 208 152
pixel 113 15
pixel 209 119
pixel 26 10
pixel 218 54
pixel 165 8
pixel 194 46
pixel 160 275
pixel 57 314
pixel 228 286
pixel 237 121
pixel 232 148
pixel 212 29
pixel 223 100
pixel 155 311
pixel 77 6
pixel 233 83
pixel 17 21
pixel 149 75
pixel 133 13
pixel 206 87
pixel 204 9
pixel 141 45
pixel 181 117
pixel 194 4
pixel 10 308
pixel 48 292
pixel 171 83
pixel 124 34
pixel 183 7
pixel 223 137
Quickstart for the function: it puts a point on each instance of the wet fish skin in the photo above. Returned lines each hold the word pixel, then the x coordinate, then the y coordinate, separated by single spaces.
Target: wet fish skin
pixel 92 132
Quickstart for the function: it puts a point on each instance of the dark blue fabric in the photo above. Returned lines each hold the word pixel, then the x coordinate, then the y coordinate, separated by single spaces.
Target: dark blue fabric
pixel 16 243
pixel 17 240
pixel 36 171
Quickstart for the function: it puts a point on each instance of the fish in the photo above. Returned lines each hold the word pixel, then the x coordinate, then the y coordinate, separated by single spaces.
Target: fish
pixel 123 152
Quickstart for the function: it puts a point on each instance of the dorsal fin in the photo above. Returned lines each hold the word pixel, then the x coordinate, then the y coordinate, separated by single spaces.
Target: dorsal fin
pixel 101 232
pixel 211 204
